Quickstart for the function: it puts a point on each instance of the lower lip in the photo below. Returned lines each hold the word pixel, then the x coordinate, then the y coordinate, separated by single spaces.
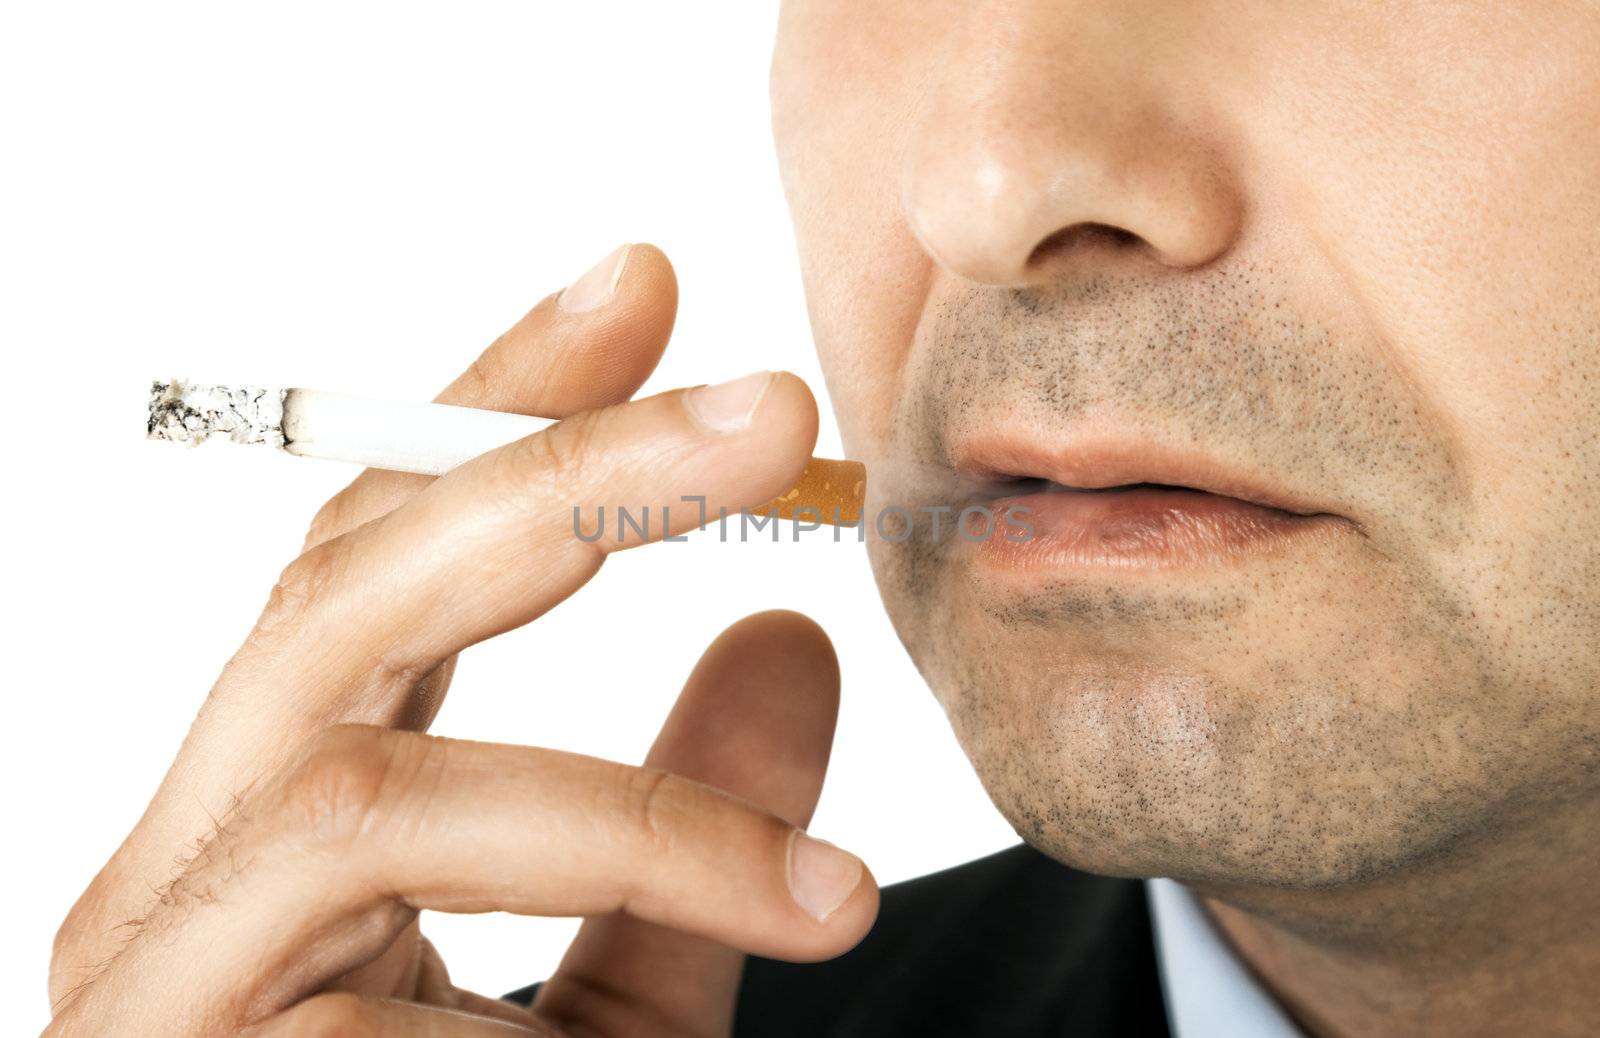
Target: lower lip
pixel 1142 528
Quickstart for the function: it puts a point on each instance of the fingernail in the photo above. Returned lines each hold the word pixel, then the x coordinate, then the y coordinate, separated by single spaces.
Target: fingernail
pixel 821 876
pixel 729 406
pixel 596 288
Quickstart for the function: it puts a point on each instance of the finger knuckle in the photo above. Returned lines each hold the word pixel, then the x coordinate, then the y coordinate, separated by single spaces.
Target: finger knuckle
pixel 75 953
pixel 329 522
pixel 69 936
pixel 301 583
pixel 653 803
pixel 344 780
pixel 562 453
pixel 484 378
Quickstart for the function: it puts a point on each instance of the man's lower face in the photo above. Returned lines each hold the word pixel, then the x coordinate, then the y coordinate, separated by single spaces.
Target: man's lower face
pixel 1344 646
pixel 1337 258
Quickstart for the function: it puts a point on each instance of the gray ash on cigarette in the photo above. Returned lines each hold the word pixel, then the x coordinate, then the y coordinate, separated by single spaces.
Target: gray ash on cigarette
pixel 183 412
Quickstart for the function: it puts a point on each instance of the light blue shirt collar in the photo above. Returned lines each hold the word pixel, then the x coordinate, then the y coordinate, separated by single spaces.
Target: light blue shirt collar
pixel 1209 992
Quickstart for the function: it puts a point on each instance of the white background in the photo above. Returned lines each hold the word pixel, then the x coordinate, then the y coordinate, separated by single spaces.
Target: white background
pixel 357 197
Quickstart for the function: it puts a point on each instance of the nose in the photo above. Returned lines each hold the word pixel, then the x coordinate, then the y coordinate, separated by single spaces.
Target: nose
pixel 1050 130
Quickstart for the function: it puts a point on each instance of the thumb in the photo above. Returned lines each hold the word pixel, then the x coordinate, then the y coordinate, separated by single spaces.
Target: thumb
pixel 756 720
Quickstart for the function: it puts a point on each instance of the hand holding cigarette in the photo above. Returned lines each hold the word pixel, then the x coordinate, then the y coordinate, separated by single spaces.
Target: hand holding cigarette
pixel 313 818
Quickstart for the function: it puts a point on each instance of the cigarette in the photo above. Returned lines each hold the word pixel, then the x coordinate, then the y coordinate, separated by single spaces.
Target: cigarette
pixel 430 439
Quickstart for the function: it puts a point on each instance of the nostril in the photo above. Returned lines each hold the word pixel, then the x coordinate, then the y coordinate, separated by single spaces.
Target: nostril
pixel 1080 236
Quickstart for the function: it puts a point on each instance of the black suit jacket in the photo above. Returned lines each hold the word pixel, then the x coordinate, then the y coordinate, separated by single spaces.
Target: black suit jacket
pixel 1007 946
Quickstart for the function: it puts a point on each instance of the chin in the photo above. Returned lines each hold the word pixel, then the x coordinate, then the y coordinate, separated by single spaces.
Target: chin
pixel 1129 770
pixel 1234 736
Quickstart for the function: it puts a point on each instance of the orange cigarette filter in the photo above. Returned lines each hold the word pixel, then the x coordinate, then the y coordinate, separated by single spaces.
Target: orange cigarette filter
pixel 829 491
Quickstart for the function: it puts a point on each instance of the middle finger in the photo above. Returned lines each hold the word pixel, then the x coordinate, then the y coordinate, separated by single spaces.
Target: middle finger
pixel 370 825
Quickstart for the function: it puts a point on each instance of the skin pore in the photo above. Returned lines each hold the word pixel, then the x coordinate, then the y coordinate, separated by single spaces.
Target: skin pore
pixel 1349 251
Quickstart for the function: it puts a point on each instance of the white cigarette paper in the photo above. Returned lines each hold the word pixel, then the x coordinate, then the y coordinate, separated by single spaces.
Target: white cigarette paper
pixel 430 439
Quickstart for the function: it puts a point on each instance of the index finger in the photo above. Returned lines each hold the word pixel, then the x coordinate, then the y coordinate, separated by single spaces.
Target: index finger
pixel 556 361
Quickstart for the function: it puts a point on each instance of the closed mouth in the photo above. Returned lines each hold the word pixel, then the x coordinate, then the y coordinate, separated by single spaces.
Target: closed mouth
pixel 1134 506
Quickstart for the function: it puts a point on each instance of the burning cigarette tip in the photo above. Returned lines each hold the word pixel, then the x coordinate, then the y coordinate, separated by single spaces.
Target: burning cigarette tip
pixel 189 413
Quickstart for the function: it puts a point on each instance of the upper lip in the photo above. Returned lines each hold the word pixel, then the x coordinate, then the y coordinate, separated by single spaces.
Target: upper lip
pixel 1113 460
